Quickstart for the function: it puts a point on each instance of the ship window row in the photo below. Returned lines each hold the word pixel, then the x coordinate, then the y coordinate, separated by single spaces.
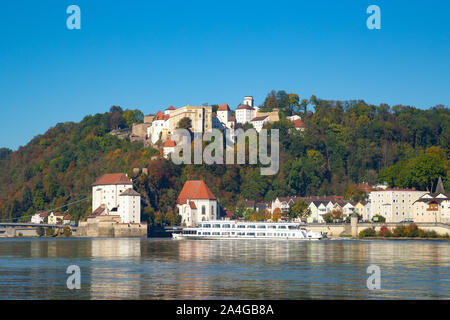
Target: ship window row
pixel 259 234
pixel 240 226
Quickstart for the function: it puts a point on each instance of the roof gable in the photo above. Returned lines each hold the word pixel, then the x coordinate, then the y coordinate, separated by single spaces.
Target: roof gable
pixel 224 107
pixel 130 192
pixel 113 178
pixel 169 144
pixel 244 106
pixel 195 189
pixel 261 118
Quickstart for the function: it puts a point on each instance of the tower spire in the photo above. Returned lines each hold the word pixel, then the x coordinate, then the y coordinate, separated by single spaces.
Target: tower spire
pixel 439 186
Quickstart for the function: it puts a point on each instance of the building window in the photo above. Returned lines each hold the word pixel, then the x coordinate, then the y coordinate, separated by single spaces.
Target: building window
pixel 203 210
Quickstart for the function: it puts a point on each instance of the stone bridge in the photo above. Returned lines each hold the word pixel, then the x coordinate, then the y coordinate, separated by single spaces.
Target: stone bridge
pixel 25 229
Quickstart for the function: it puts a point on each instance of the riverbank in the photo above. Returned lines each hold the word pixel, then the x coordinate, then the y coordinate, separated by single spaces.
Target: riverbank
pixel 403 238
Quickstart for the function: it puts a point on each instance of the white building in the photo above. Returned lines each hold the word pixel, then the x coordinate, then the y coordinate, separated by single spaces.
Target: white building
pixel 259 122
pixel 248 100
pixel 113 195
pixel 224 113
pixel 347 209
pixel 39 217
pixel 130 206
pixel 106 191
pixel 433 207
pixel 169 110
pixel 245 113
pixel 394 204
pixel 284 203
pixel 169 147
pixel 155 130
pixel 196 203
pixel 294 117
pixel 318 210
pixel 368 211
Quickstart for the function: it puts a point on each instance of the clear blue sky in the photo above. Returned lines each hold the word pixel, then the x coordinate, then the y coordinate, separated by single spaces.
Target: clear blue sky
pixel 153 54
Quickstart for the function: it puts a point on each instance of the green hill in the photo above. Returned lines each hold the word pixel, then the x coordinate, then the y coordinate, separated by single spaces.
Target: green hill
pixel 345 142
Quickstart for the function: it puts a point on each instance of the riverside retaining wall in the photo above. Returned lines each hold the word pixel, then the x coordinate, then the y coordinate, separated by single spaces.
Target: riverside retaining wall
pixel 344 229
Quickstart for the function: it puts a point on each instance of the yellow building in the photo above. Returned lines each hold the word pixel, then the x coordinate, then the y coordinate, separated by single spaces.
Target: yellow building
pixel 201 118
pixel 273 116
pixel 359 209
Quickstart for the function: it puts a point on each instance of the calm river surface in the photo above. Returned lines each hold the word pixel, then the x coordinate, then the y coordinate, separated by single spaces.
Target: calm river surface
pixel 228 269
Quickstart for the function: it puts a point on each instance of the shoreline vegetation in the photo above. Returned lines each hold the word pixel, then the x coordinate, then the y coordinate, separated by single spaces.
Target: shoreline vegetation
pixel 410 231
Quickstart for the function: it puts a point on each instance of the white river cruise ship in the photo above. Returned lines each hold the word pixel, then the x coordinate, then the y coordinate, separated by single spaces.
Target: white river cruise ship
pixel 217 230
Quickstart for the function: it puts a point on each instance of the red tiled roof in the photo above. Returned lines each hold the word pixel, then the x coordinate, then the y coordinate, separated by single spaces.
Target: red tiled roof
pixel 112 178
pixel 224 107
pixel 195 189
pixel 159 116
pixel 246 203
pixel 43 215
pixel 298 123
pixel 169 144
pixel 171 108
pixel 287 199
pixel 244 106
pixel 365 187
pixel 98 211
pixel 259 118
pixel 58 214
pixel 67 217
pixel 166 117
pixel 192 205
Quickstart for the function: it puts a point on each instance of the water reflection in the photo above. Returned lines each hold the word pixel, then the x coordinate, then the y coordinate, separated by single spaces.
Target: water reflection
pixel 167 269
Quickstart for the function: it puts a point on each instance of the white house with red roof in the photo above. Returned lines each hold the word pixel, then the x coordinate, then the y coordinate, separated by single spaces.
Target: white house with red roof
pixel 106 191
pixel 157 126
pixel 245 113
pixel 169 110
pixel 39 217
pixel 67 219
pixel 223 113
pixel 259 122
pixel 196 203
pixel 297 121
pixel 168 148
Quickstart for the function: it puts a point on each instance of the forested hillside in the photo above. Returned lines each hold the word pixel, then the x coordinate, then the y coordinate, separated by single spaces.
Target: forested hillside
pixel 345 142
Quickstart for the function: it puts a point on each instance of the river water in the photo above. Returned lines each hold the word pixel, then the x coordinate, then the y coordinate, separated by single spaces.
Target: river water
pixel 227 269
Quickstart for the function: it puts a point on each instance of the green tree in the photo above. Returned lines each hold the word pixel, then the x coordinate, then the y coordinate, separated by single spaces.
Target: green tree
pixel 49 232
pixel 299 210
pixel 378 218
pixel 132 116
pixel 185 123
pixel 40 231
